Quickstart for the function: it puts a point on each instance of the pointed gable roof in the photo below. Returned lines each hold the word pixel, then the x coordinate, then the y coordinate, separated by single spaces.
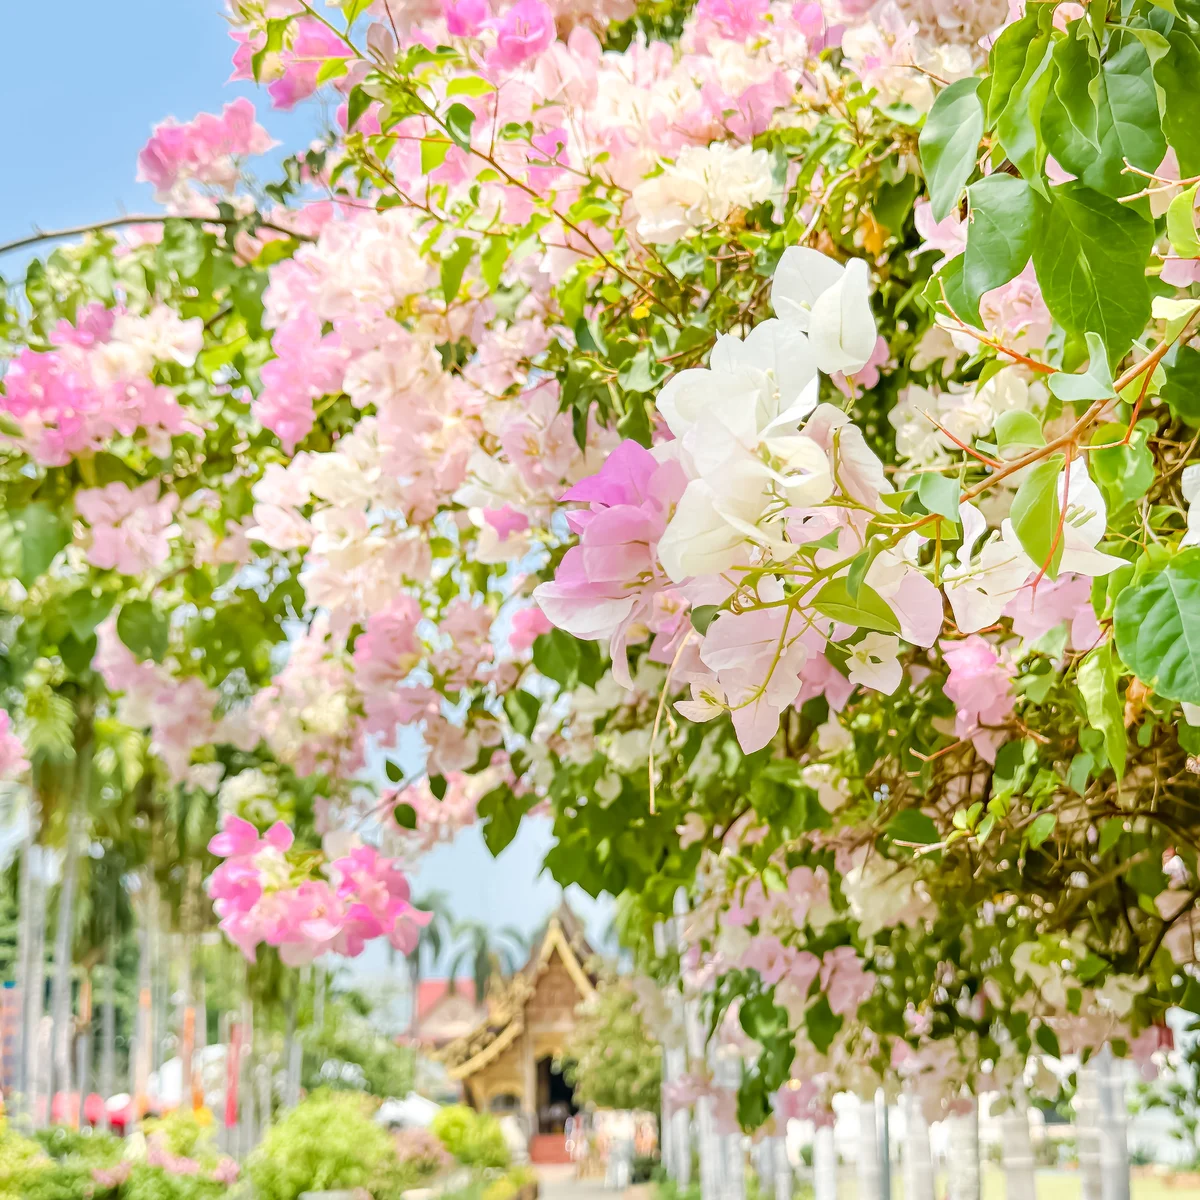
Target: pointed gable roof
pixel 564 936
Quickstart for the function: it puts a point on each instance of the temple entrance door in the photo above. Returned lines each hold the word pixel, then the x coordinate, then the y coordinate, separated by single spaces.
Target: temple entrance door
pixel 555 1098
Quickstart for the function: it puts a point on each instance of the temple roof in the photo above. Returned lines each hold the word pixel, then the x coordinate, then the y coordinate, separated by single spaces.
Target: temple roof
pixel 506 1019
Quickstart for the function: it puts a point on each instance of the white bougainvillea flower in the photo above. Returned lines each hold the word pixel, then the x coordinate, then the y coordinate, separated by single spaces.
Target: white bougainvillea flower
pixel 979 588
pixel 874 663
pixel 765 383
pixel 831 303
pixel 1190 485
pixel 706 534
pixel 1084 524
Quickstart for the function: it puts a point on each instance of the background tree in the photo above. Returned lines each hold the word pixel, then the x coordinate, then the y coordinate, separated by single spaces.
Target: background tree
pixel 611 1060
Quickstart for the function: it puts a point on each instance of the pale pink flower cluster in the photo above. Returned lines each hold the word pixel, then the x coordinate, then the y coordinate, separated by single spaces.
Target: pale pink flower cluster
pixel 755 470
pixel 177 710
pixel 980 686
pixel 263 896
pixel 93 387
pixel 13 763
pixel 131 527
pixel 310 713
pixel 208 150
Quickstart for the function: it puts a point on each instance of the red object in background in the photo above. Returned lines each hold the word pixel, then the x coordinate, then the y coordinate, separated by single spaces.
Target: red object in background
pixel 93 1108
pixel 121 1116
pixel 547 1149
pixel 64 1109
pixel 233 1060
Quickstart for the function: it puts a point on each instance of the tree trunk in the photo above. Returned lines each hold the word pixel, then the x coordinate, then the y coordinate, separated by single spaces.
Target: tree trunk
pixel 1114 1116
pixel 24 963
pixel 291 1091
pixel 825 1164
pixel 245 1076
pixel 64 928
pixel 35 1083
pixel 83 1048
pixel 964 1155
pixel 108 1030
pixel 918 1158
pixel 870 1182
pixel 143 1034
pixel 1017 1149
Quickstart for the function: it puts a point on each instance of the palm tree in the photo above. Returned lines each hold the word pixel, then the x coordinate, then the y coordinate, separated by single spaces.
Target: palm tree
pixel 484 952
pixel 433 937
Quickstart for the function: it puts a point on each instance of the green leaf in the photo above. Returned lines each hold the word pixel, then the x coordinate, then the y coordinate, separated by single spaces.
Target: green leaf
pixel 502 811
pixel 1181 390
pixel 912 825
pixel 949 143
pixel 1110 835
pixel 1128 127
pixel 357 103
pixel 1191 996
pixel 42 533
pixel 433 152
pixel 556 655
pixel 822 1024
pixel 1157 625
pixel 143 629
pixel 868 611
pixel 939 494
pixel 453 266
pixel 1178 74
pixel 276 28
pixel 1097 680
pixel 1096 383
pixel 393 771
pixel 84 611
pixel 1181 224
pixel 1018 428
pixel 702 617
pixel 1124 473
pixel 493 260
pixel 522 709
pixel 1000 236
pixel 1018 123
pixel 459 119
pixel 1076 87
pixel 1035 514
pixel 1047 1039
pixel 1040 828
pixel 469 85
pixel 1090 254
pixel 405 816
pixel 332 68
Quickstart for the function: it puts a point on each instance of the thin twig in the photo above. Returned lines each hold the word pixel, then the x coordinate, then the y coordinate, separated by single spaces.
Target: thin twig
pixel 50 235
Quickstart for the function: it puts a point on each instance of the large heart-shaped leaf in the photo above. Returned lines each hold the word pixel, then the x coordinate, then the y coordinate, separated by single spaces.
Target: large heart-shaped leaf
pixel 1157 623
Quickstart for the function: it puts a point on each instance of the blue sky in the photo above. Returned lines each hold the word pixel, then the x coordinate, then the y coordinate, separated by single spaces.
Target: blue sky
pixel 84 82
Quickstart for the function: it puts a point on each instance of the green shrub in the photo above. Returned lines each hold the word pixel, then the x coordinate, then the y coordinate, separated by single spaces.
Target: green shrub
pixel 510 1184
pixel 58 1181
pixel 327 1143
pixel 20 1158
pixel 153 1183
pixel 81 1147
pixel 475 1139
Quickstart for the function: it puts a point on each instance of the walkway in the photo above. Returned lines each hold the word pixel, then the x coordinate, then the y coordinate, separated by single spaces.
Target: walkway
pixel 559 1183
